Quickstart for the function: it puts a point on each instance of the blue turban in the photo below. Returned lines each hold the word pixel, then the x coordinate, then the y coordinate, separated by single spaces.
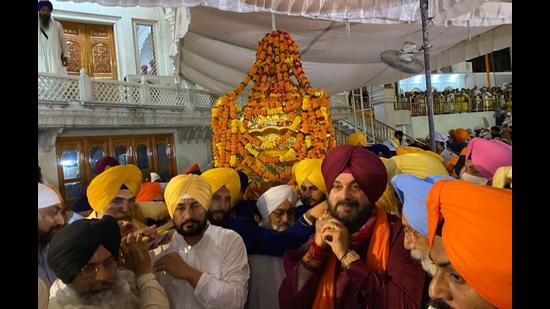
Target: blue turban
pixel 412 192
pixel 42 4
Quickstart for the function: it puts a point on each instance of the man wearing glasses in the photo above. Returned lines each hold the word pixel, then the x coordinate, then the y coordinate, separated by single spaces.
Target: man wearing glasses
pixel 85 257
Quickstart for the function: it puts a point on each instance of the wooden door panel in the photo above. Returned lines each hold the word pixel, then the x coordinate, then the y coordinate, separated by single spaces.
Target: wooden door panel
pixel 76 42
pixel 101 53
pixel 122 150
pixel 94 150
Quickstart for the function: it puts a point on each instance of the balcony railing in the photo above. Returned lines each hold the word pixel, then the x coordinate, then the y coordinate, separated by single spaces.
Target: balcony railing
pixel 65 89
pixel 419 107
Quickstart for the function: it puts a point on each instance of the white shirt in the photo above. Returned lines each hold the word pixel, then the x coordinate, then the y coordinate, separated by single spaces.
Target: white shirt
pixel 51 48
pixel 221 256
pixel 266 274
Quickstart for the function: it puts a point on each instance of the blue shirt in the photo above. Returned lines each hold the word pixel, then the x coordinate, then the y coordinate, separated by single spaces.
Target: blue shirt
pixel 259 240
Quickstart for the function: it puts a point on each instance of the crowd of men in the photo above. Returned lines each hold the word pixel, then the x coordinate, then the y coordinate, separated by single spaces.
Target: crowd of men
pixel 464 100
pixel 357 229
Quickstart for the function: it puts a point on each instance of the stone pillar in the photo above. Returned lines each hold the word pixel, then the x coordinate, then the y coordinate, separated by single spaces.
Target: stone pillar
pixel 47 158
pixel 382 101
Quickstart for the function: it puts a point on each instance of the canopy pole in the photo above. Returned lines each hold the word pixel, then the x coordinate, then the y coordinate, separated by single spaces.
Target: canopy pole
pixel 273 23
pixel 427 70
pixel 488 70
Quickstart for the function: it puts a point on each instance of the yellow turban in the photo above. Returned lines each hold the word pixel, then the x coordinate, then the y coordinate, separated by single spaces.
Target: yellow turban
pixel 410 149
pixel 105 186
pixel 502 177
pixel 224 177
pixel 418 164
pixel 309 169
pixel 356 138
pixel 187 184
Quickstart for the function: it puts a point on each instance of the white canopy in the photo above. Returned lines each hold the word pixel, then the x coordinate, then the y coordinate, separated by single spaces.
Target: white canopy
pixel 340 48
pixel 220 47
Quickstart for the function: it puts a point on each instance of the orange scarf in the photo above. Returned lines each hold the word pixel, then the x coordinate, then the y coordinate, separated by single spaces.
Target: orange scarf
pixel 377 257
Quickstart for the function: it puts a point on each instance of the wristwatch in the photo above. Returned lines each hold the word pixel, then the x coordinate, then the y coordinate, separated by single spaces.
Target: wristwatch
pixel 349 258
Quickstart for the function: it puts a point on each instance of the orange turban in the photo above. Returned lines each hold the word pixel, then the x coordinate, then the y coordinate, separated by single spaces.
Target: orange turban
pixel 477 235
pixel 461 135
pixel 148 191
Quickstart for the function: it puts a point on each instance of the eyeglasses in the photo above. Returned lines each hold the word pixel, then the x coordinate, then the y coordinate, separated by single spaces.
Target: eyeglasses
pixel 280 212
pixel 92 269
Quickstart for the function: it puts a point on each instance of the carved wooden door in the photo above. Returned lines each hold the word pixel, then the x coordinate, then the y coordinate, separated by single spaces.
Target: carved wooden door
pixel 91 47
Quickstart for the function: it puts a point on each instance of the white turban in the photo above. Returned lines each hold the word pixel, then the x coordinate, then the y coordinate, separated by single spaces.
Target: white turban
pixel 438 137
pixel 275 196
pixel 47 197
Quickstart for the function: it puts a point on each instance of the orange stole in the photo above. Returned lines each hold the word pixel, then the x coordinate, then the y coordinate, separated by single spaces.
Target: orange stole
pixel 377 259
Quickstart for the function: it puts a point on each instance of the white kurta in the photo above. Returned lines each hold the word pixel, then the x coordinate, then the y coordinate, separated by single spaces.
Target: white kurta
pixel 221 256
pixel 266 275
pixel 50 49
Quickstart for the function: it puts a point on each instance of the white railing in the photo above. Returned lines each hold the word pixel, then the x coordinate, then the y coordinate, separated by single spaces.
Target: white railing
pixel 52 87
pixel 64 89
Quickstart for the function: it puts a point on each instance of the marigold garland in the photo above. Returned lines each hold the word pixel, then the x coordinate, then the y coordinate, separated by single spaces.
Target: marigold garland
pixel 283 121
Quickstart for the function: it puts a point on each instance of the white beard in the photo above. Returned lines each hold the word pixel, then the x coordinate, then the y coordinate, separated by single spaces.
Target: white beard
pixel 119 296
pixel 425 261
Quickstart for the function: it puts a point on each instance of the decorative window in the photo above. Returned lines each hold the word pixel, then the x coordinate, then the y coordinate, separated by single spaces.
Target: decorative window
pixel 145 48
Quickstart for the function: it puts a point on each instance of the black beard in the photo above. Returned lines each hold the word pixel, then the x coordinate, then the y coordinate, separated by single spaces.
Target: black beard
pixel 438 304
pixel 223 222
pixel 44 21
pixel 194 231
pixel 353 224
pixel 45 239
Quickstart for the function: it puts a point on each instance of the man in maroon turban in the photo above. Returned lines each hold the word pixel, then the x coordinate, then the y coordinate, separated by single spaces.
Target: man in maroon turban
pixel 356 259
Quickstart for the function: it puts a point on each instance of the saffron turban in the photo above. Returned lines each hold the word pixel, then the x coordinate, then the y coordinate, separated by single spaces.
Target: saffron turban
pixel 461 135
pixel 187 186
pixel 367 169
pixel 224 177
pixel 193 169
pixel 148 191
pixel 274 197
pixel 477 235
pixel 412 192
pixel 417 164
pixel 72 247
pixel 309 169
pixel 488 155
pixel 105 186
pixel 356 138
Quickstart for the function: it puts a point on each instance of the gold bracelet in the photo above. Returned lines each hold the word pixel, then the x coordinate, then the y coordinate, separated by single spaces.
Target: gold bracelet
pixel 349 258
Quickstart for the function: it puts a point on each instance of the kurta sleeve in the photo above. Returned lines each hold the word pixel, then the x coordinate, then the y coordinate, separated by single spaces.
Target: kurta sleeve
pixel 263 241
pixel 62 41
pixel 231 290
pixel 151 293
pixel 289 296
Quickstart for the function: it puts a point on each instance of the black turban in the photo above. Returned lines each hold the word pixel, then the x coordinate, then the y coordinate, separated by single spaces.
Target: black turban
pixel 42 4
pixel 72 247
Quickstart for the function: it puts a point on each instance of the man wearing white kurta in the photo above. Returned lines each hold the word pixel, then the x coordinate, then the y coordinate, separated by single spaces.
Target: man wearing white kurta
pixel 52 47
pixel 276 206
pixel 203 266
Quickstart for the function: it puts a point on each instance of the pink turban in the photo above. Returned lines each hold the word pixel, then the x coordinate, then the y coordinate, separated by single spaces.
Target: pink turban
pixel 488 155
